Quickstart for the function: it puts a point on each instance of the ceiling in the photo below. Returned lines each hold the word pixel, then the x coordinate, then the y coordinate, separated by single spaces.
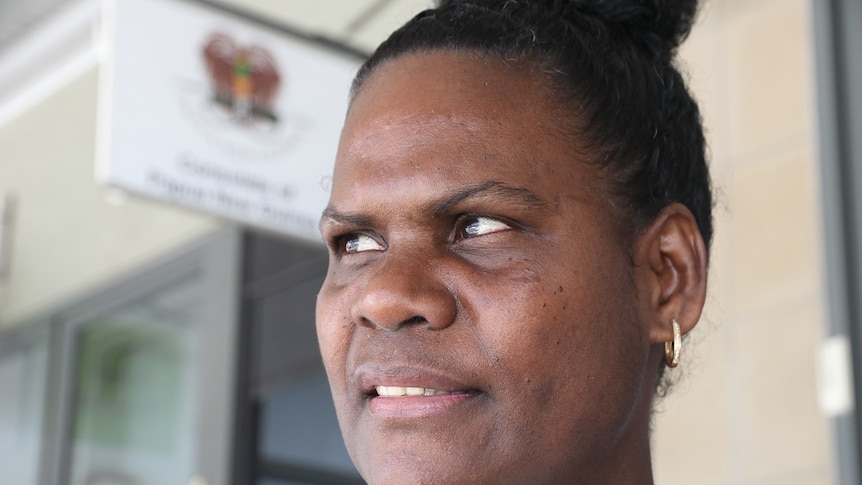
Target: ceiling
pixel 17 16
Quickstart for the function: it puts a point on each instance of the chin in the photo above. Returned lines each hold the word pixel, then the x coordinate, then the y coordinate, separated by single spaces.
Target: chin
pixel 416 467
pixel 419 475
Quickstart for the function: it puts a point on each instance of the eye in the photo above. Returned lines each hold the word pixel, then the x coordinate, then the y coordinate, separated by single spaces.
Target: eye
pixel 474 226
pixel 357 243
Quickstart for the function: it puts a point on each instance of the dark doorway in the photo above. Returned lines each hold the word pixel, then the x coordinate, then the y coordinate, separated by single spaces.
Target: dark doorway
pixel 287 431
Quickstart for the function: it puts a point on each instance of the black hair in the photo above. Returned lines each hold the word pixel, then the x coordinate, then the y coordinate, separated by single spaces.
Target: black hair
pixel 611 62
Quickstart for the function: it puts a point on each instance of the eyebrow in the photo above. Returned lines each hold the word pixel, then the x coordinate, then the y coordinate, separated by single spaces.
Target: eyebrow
pixel 491 189
pixel 342 218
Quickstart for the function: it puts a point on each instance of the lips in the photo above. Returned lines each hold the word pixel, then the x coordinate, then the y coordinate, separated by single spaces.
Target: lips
pixel 406 391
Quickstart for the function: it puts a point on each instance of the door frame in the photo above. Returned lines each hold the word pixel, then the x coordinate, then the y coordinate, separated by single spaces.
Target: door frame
pixel 838 44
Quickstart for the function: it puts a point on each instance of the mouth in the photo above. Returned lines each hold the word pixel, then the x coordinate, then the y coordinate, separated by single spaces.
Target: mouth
pixel 403 392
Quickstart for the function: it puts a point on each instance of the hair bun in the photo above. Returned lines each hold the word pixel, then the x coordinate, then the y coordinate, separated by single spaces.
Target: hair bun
pixel 669 20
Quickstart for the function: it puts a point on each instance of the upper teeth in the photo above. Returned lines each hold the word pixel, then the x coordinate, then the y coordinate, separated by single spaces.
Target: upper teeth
pixel 398 391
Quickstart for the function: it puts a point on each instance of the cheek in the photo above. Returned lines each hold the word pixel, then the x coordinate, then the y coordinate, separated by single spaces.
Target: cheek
pixel 537 340
pixel 333 331
pixel 558 334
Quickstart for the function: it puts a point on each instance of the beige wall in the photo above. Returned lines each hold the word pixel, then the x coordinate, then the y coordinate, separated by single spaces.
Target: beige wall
pixel 745 410
pixel 68 240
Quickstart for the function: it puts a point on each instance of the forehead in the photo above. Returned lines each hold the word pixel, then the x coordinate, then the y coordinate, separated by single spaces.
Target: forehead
pixel 461 87
pixel 450 118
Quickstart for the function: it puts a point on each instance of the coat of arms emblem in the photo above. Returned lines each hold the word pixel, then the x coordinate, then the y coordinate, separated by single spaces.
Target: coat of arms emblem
pixel 244 79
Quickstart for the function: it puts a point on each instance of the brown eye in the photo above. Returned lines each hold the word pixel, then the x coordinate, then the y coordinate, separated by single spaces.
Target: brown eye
pixel 357 243
pixel 475 226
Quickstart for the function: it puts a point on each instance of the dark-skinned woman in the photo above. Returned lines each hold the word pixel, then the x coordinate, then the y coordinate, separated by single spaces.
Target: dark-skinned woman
pixel 518 228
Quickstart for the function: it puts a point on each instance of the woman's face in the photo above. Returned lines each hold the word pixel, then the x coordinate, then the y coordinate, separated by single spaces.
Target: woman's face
pixel 479 322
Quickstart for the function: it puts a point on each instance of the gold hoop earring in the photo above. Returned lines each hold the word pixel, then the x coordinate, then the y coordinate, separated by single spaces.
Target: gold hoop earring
pixel 672 349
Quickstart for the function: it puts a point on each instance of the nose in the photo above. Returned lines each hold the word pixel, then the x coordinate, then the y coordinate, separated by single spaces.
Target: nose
pixel 404 292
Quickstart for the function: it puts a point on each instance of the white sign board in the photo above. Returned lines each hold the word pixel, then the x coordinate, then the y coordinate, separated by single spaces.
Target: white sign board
pixel 210 111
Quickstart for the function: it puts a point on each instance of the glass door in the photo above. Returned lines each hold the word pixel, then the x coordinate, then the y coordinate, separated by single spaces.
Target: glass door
pixel 134 403
pixel 148 374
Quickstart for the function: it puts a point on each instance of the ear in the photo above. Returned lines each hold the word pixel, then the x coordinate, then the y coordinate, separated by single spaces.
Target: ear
pixel 670 272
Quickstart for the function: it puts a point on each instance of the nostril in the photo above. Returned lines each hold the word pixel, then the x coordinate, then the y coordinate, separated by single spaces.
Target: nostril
pixel 414 320
pixel 409 322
